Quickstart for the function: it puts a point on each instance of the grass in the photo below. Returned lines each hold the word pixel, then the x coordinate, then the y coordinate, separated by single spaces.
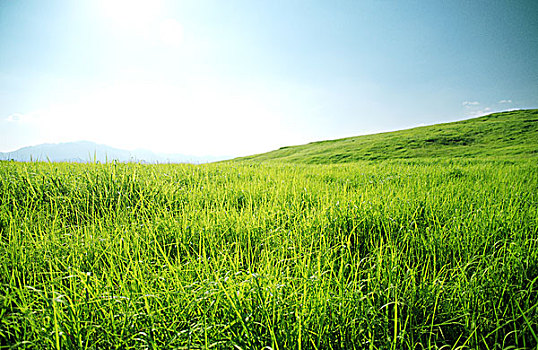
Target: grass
pixel 508 135
pixel 421 253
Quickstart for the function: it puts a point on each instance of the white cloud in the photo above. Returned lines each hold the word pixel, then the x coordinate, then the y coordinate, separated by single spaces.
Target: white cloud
pixel 473 109
pixel 479 112
pixel 13 117
pixel 470 103
pixel 505 101
pixel 20 118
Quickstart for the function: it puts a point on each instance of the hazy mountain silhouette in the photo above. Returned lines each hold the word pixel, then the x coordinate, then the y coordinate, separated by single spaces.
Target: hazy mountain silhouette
pixel 85 151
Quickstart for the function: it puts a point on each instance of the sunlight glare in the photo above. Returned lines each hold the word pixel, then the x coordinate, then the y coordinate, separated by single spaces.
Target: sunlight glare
pixel 131 13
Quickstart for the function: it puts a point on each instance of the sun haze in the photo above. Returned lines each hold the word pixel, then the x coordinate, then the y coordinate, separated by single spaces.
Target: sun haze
pixel 239 77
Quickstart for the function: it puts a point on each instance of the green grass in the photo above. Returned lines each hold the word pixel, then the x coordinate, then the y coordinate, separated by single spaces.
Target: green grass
pixel 508 135
pixel 422 253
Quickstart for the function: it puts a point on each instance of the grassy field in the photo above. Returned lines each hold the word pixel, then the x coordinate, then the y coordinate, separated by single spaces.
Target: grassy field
pixel 421 253
pixel 508 135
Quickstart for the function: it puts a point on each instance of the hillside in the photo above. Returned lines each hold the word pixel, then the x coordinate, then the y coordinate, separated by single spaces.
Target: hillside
pixel 505 134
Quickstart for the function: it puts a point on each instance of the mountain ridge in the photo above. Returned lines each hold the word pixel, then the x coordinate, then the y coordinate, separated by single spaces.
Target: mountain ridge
pixel 87 151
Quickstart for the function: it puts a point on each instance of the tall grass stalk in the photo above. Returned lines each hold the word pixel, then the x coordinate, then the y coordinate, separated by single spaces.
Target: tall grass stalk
pixel 394 254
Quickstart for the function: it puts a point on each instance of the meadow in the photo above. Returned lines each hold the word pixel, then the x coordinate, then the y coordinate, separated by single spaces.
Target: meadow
pixel 394 254
pixel 506 135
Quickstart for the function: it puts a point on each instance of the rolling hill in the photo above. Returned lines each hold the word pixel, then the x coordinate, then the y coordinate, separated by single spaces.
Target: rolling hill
pixel 504 134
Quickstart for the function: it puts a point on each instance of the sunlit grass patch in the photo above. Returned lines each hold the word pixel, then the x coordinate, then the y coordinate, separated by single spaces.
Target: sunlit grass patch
pixel 395 254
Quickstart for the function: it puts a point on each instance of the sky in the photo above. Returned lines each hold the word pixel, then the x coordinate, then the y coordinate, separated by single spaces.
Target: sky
pixel 233 78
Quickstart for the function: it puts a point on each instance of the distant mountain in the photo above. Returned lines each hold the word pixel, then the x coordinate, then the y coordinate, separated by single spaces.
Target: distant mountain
pixel 85 151
pixel 507 134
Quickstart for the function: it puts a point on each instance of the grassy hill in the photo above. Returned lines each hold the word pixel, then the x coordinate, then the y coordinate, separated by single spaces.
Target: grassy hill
pixel 505 134
pixel 377 255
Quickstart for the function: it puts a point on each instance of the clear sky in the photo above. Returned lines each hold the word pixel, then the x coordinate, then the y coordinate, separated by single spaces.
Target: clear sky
pixel 241 77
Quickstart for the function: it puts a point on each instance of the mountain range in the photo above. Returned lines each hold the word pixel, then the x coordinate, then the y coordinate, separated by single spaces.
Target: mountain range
pixel 86 151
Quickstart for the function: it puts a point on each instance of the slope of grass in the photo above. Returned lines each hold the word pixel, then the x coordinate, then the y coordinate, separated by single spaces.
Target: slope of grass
pixel 370 255
pixel 507 134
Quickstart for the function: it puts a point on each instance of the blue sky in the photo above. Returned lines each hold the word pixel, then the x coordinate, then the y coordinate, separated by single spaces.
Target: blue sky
pixel 241 77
